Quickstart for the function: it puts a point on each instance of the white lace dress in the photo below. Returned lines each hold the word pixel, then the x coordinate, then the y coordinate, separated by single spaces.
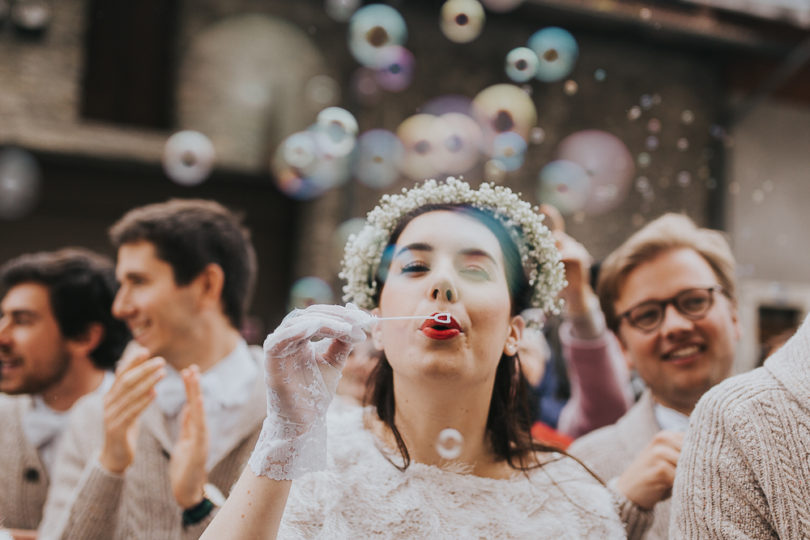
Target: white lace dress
pixel 362 495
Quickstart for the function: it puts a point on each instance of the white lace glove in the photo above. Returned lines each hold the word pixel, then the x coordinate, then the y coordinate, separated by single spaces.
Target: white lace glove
pixel 302 376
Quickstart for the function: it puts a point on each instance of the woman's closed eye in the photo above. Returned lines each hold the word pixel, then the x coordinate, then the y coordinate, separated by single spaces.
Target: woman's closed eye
pixel 475 271
pixel 414 267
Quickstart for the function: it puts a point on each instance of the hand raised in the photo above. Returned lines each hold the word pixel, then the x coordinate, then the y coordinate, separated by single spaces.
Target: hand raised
pixel 130 393
pixel 650 476
pixel 187 465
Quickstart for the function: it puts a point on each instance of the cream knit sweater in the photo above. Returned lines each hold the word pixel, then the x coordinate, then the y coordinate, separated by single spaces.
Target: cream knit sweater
pixel 744 471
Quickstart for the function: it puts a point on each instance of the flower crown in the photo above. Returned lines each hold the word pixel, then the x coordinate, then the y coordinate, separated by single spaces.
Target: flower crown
pixel 541 260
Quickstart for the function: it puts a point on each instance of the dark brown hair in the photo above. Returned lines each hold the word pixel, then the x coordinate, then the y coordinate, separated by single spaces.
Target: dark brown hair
pixel 191 234
pixel 81 287
pixel 509 421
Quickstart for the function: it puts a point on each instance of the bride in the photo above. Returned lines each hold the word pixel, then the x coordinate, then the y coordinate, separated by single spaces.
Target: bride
pixel 445 449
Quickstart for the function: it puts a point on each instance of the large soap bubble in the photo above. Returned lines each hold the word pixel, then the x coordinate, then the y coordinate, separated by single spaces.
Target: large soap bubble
pixel 462 20
pixel 379 158
pixel 557 52
pixel 418 140
pixel 19 183
pixel 373 28
pixel 502 108
pixel 608 163
pixel 308 291
pixel 456 140
pixel 564 185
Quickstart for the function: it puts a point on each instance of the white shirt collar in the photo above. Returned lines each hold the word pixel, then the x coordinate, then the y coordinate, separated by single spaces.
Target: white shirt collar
pixel 670 419
pixel 227 384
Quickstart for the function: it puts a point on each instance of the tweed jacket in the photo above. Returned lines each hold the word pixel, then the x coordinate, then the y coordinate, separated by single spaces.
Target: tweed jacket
pixel 611 449
pixel 86 502
pixel 22 473
pixel 744 471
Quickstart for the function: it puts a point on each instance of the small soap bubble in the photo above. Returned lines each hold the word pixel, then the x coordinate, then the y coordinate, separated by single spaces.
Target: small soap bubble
pixel 645 14
pixel 557 52
pixel 379 158
pixel 600 75
pixel 684 178
pixel 651 142
pixel 757 196
pixel 654 125
pixel 462 20
pixel 687 117
pixel 509 149
pixel 521 64
pixel 416 134
pixel 449 443
pixel 341 10
pixel 634 113
pixel 395 69
pixel 371 29
pixel 19 183
pixel 643 160
pixel 494 171
pixel 188 157
pixel 570 87
pixel 537 135
pixel 308 291
pixel 300 149
pixel 682 144
pixel 501 108
pixel 646 102
pixel 456 139
pixel 642 184
pixel 336 131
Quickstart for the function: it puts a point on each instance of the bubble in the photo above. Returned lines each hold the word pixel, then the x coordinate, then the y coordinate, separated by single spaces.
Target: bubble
pixel 682 144
pixel 448 104
pixel 371 29
pixel 456 139
pixel 501 108
pixel 646 102
pixel 757 196
pixel 494 171
pixel 684 179
pixel 537 135
pixel 509 149
pixel 600 75
pixel 643 160
pixel 717 131
pixel 449 443
pixel 19 183
pixel 341 10
pixel 462 20
pixel 31 15
pixel 379 158
pixel 308 291
pixel 687 117
pixel 322 90
pixel 557 52
pixel 651 142
pixel 606 160
pixel 365 87
pixel 188 157
pixel 565 185
pixel 395 69
pixel 634 113
pixel 336 131
pixel 416 134
pixel 654 125
pixel 643 184
pixel 645 13
pixel 570 87
pixel 501 5
pixel 767 186
pixel 521 64
pixel 303 170
pixel 300 150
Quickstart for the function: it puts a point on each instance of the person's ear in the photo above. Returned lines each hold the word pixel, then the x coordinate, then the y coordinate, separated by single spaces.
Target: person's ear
pixel 628 358
pixel 209 284
pixel 516 327
pixel 85 343
pixel 376 331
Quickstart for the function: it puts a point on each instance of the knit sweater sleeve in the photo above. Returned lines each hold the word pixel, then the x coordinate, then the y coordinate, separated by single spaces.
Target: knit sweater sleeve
pixel 716 492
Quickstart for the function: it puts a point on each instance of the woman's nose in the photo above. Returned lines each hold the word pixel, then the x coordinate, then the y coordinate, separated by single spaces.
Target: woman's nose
pixel 444 290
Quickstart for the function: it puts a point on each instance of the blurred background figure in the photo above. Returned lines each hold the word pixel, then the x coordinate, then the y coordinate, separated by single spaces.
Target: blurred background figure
pixel 354 379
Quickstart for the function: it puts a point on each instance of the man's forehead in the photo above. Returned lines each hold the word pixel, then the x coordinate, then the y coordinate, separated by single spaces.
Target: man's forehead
pixel 29 296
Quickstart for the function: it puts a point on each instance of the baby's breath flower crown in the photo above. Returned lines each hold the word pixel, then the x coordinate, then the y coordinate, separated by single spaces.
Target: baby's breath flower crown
pixel 541 260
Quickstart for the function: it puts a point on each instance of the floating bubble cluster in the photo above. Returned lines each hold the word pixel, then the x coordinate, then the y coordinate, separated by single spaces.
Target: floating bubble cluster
pixel 188 157
pixel 449 443
pixel 557 52
pixel 19 183
pixel 308 291
pixel 462 20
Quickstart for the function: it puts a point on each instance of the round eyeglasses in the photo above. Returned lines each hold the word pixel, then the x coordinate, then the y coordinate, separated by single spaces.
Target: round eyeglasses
pixel 693 304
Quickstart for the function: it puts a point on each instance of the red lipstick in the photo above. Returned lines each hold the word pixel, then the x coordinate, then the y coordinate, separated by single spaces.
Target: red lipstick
pixel 434 330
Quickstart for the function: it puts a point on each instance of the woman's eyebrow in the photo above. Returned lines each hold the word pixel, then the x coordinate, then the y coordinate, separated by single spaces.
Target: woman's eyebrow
pixel 476 252
pixel 417 246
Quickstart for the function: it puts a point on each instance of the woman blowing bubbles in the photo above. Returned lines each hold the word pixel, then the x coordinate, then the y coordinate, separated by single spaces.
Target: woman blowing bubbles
pixel 481 256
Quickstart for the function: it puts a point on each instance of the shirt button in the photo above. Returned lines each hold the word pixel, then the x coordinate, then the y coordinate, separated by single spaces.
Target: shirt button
pixel 31 475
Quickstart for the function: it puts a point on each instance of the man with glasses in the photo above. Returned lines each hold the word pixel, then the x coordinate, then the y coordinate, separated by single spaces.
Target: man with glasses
pixel 668 294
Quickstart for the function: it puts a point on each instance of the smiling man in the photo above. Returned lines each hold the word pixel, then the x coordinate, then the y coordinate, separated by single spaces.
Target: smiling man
pixel 153 457
pixel 668 294
pixel 58 342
